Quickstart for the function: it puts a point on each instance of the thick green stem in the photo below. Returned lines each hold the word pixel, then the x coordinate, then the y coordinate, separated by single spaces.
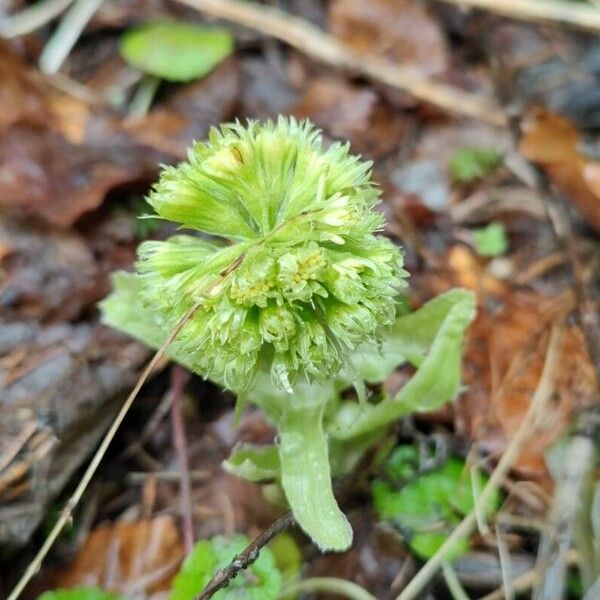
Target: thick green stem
pixel 306 475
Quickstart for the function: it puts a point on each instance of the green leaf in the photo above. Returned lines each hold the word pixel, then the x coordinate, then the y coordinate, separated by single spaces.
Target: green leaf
pixel 427 509
pixel 254 463
pixel 124 310
pixel 433 336
pixel 78 593
pixel 306 473
pixel 490 240
pixel 176 51
pixel 469 164
pixel 261 581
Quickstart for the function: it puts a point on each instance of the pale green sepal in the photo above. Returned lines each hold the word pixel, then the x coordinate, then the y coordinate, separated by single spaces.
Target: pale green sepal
pixel 441 325
pixel 306 474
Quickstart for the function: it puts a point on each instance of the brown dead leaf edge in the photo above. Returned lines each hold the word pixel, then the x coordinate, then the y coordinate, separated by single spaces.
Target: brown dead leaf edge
pixel 128 558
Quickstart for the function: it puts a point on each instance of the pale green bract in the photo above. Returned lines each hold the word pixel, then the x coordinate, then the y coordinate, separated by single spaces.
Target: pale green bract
pixel 298 303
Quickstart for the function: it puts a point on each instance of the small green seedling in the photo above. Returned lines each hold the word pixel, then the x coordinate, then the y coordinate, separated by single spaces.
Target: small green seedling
pixel 176 52
pixel 426 507
pixel 470 164
pixel 490 240
pixel 261 581
pixel 291 298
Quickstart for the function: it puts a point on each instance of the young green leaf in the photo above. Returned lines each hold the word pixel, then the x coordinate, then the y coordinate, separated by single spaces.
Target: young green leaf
pixel 176 51
pixel 490 240
pixel 78 593
pixel 433 337
pixel 427 509
pixel 254 463
pixel 470 164
pixel 261 581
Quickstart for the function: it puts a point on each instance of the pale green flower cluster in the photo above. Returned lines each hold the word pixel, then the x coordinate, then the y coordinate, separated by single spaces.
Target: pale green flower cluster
pixel 290 274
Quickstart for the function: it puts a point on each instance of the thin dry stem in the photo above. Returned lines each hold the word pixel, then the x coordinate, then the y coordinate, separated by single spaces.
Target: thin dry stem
pixel 306 38
pixel 529 423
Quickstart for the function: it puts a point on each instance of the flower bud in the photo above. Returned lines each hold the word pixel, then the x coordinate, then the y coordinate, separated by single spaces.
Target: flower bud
pixel 286 265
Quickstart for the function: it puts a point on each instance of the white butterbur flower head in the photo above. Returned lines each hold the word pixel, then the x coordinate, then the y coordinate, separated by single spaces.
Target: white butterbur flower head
pixel 312 280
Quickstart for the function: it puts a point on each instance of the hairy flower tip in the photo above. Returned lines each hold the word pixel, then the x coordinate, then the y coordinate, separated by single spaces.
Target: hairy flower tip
pixel 292 276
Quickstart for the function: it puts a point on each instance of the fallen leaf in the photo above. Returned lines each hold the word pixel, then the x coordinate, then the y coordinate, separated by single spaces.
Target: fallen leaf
pixel 265 92
pixel 354 113
pixel 504 359
pixel 552 141
pixel 132 559
pixel 400 30
pixel 58 160
pixel 504 352
pixel 21 95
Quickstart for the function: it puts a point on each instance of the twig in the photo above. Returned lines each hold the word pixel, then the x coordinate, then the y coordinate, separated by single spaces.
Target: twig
pixel 67 512
pixel 569 502
pixel 539 401
pixel 526 580
pixel 63 39
pixel 329 585
pixel 179 377
pixel 246 558
pixel 32 17
pixel 579 15
pixel 306 38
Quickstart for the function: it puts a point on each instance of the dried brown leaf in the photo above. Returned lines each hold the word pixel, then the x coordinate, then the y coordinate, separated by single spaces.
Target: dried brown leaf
pixel 134 559
pixel 552 141
pixel 401 30
pixel 354 113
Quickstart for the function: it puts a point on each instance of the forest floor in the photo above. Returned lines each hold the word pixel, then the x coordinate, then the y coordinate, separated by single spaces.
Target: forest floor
pixel 490 179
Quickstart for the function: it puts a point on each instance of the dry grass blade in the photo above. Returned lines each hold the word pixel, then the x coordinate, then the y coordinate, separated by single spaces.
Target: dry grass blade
pixel 540 400
pixel 310 40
